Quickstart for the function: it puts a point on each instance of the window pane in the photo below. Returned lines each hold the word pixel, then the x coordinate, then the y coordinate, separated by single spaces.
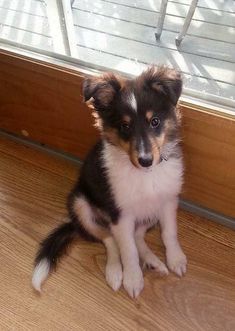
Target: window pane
pixel 120 35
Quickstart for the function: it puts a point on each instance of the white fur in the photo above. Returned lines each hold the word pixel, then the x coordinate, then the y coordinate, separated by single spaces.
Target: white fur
pixel 148 258
pixel 133 280
pixel 86 216
pixel 176 260
pixel 145 196
pixel 142 151
pixel 40 274
pixel 138 192
pixel 132 101
pixel 113 270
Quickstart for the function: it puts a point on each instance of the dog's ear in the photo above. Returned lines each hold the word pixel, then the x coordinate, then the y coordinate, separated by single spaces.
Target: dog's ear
pixel 99 92
pixel 165 81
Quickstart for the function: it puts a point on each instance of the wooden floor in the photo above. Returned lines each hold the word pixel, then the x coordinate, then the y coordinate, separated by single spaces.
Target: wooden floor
pixel 119 34
pixel 33 189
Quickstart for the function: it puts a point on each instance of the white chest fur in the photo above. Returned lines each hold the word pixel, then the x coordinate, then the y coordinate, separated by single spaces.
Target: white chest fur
pixel 139 192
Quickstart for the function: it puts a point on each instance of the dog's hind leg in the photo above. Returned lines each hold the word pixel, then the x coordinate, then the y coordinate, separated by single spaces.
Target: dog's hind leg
pixel 149 259
pixel 113 271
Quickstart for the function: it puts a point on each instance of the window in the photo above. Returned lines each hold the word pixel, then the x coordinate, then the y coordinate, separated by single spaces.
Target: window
pixel 120 35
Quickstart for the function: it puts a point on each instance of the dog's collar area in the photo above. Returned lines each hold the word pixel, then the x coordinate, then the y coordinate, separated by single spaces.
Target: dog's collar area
pixel 163 157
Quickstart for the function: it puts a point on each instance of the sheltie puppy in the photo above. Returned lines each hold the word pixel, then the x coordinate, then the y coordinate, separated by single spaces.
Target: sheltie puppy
pixel 129 181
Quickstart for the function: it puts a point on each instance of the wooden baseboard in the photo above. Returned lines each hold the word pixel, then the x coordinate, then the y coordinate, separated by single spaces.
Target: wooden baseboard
pixel 43 103
pixel 209 152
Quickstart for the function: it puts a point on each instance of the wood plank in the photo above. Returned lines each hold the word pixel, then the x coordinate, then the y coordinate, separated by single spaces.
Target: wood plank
pixel 202 14
pixel 146 53
pixel 42 90
pixel 76 297
pixel 57 165
pixel 204 30
pixel 149 18
pixel 220 5
pixel 26 6
pixel 180 10
pixel 209 149
pixel 25 21
pixel 120 16
pixel 60 120
pixel 227 5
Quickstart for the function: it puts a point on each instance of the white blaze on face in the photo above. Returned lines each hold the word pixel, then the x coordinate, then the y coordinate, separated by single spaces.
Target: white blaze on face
pixel 132 101
pixel 142 151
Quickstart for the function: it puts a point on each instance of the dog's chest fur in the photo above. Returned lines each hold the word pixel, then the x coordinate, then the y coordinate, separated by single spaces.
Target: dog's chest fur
pixel 141 193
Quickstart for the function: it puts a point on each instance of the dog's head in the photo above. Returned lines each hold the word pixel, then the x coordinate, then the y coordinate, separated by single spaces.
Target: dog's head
pixel 138 115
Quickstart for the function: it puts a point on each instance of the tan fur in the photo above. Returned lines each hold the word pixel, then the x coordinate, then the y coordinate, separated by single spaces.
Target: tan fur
pixel 98 124
pixel 171 129
pixel 107 92
pixel 134 157
pixel 126 119
pixel 178 113
pixel 113 137
pixel 157 143
pixel 157 76
pixel 149 115
pixel 90 103
pixel 169 126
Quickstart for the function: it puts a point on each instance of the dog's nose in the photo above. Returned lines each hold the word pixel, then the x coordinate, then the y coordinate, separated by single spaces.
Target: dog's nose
pixel 145 161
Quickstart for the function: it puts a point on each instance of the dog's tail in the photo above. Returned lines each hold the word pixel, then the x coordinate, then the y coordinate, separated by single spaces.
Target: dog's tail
pixel 52 248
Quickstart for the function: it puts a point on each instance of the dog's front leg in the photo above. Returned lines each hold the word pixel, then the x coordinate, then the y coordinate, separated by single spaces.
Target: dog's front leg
pixel 123 233
pixel 176 259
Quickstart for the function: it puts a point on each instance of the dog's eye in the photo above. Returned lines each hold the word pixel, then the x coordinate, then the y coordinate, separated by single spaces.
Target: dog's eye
pixel 155 122
pixel 125 127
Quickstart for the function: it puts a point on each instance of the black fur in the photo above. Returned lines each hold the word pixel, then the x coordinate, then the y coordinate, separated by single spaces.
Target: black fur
pixel 101 89
pixel 56 244
pixel 157 90
pixel 93 184
pixel 164 81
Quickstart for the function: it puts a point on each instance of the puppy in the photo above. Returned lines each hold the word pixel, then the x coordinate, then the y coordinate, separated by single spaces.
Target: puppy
pixel 130 179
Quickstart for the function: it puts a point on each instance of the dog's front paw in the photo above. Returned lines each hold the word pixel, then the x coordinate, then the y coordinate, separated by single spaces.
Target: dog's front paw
pixel 113 275
pixel 133 281
pixel 151 261
pixel 177 261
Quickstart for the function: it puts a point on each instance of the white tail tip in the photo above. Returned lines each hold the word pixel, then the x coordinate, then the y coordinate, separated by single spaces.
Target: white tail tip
pixel 40 274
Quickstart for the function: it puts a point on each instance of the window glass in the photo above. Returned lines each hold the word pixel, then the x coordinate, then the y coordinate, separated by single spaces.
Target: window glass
pixel 120 35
